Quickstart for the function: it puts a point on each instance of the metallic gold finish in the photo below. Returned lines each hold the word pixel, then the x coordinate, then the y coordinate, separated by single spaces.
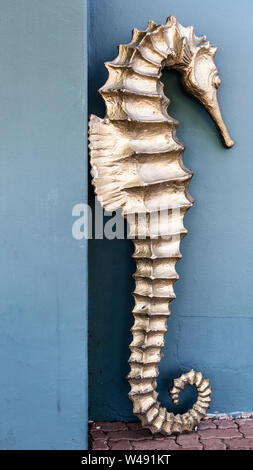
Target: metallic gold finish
pixel 136 162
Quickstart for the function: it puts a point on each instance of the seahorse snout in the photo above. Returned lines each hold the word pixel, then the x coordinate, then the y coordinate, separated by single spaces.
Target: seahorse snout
pixel 215 113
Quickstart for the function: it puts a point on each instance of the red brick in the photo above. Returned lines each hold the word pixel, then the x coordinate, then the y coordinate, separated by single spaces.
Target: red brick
pixel 135 426
pixel 188 441
pixel 109 425
pixel 100 444
pixel 214 444
pixel 240 444
pixel 206 424
pixel 225 423
pixel 219 434
pixel 97 434
pixel 159 436
pixel 166 444
pixel 246 430
pixel 243 422
pixel 130 435
pixel 192 448
pixel 119 445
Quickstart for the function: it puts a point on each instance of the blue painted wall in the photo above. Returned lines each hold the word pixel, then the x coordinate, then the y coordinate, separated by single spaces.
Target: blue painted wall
pixel 43 269
pixel 211 326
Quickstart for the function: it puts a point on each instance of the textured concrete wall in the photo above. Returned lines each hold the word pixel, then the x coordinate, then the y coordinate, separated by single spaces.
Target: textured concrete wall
pixel 43 269
pixel 211 326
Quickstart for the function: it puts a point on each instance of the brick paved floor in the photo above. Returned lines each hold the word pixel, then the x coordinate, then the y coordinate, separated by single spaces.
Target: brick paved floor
pixel 212 434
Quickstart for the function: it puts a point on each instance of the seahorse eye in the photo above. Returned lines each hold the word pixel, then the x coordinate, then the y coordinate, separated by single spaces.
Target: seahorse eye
pixel 216 81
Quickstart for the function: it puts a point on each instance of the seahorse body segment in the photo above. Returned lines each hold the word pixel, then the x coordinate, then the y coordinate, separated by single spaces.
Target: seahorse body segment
pixel 137 165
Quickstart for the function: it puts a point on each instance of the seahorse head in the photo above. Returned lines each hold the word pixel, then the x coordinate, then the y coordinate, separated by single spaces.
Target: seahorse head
pixel 201 79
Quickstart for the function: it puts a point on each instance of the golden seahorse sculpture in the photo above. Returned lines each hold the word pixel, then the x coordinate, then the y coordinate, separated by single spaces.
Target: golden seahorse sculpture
pixel 136 162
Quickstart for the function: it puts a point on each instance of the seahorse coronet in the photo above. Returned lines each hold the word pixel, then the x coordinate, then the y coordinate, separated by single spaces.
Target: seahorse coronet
pixel 136 161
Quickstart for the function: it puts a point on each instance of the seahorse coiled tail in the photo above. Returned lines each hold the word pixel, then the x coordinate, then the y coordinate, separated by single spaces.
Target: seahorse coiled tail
pixel 137 165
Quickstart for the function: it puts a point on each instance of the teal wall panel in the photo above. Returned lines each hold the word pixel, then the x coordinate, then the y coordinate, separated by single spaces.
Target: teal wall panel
pixel 211 326
pixel 43 275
